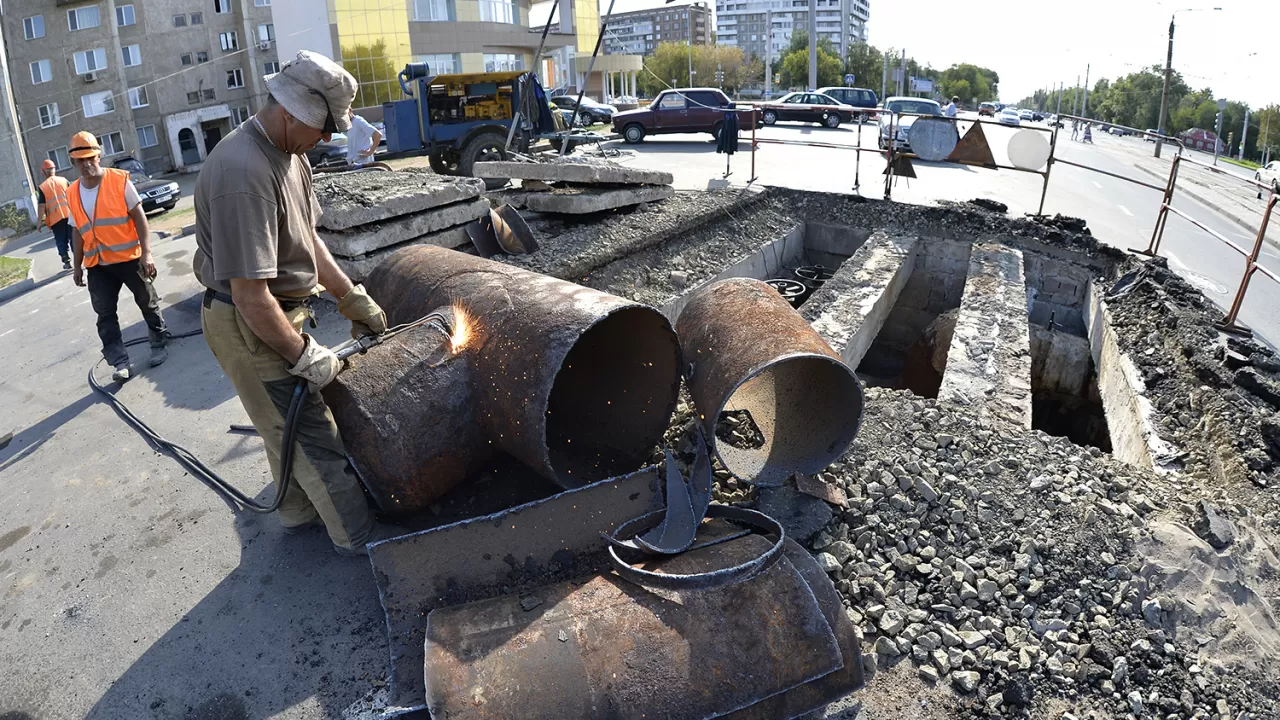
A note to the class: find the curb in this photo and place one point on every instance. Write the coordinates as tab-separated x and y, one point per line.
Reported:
1252	228
21	287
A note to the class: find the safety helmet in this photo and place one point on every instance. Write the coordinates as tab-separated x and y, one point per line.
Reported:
85	145
48	165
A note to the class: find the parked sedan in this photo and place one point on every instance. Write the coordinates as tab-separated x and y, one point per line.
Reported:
155	194
806	107
1009	117
590	113
893	107
691	110
1270	173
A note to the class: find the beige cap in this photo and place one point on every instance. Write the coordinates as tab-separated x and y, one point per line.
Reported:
296	86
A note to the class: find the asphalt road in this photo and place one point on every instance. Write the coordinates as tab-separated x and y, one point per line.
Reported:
1119	213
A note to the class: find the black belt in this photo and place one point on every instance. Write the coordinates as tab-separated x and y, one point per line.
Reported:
285	304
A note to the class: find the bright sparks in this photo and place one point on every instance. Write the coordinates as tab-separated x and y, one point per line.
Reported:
462	324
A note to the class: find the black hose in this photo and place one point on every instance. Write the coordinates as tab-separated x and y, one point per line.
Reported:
195	465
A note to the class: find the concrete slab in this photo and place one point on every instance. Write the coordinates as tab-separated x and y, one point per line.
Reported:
364	239
851	308
585	200
989	361
594	173
360	198
358	268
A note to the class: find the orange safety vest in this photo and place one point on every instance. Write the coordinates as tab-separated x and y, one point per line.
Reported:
111	238
56	206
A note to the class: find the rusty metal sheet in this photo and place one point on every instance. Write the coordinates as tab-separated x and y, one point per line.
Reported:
828	688
749	350
902	167
608	648
512	551
973	149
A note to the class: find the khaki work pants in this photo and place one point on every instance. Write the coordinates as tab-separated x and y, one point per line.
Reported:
324	482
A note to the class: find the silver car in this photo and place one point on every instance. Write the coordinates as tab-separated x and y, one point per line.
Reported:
893	107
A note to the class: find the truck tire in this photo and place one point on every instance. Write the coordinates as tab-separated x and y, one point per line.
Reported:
444	163
633	133
485	147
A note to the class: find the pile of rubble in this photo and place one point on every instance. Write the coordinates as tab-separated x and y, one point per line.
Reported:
368	215
578	186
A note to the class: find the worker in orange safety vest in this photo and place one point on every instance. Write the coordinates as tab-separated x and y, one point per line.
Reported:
53	208
110	237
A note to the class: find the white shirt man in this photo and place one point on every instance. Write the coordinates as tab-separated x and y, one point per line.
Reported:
950	109
362	140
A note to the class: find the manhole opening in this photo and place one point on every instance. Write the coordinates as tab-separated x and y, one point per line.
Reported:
799	269
910	351
1065	400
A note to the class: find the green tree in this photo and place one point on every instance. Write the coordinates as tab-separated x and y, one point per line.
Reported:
669	66
866	63
969	82
794	67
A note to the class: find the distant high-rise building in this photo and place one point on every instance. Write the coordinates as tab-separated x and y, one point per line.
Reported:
639	32
742	23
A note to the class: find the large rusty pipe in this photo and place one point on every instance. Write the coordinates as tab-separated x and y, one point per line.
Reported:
577	384
749	350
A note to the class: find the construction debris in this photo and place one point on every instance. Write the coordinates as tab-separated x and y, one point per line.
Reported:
576	186
579	172
575	200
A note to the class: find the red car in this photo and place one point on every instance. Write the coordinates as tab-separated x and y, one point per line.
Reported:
806	107
688	110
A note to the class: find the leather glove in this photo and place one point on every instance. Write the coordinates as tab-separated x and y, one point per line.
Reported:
365	315
318	365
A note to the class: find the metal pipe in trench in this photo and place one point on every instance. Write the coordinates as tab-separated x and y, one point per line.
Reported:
577	384
749	350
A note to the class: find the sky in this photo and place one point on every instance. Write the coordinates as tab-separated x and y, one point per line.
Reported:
1036	44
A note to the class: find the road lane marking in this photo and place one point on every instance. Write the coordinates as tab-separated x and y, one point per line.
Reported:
1097	184
82	303
6	332
1203	283
1125	210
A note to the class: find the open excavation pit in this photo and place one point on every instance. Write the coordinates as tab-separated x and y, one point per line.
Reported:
996	536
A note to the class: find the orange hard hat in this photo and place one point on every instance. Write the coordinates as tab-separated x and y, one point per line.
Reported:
85	145
48	165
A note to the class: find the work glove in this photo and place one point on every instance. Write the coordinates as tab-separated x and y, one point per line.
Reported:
365	315
318	365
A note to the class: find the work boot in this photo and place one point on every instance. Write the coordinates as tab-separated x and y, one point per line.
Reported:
379	533
66	264
159	355
314	522
123	373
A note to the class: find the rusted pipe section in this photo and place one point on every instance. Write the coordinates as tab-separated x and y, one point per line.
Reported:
751	351
577	384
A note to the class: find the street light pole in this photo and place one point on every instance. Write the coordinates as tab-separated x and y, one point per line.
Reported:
1168	71
1084	112
813	45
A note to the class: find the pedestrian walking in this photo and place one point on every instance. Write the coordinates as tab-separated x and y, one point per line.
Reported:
53	209
258	255
1088	133
950	109
363	140
1075	129
110	238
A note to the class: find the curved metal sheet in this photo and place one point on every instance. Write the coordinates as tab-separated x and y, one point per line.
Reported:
1028	150
933	139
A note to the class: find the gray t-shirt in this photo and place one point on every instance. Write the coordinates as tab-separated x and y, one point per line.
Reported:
255	216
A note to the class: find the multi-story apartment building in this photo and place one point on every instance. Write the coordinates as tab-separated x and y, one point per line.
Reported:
745	23
639	32
162	81
374	39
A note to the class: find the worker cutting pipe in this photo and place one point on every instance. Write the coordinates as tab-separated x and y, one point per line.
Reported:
262	263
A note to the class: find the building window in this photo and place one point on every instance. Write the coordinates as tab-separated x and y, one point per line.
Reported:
33	27
270	68
179	20
147	136
49	115
202	57
222	6
266	33
59	157
431	11
124	15
209	94
186	58
132	55
262	3
83	18
500	62
230	41
112	144
99	103
193	98
138	97
499	11
91	61
240	114
41	72
197	18
442	63
235	79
